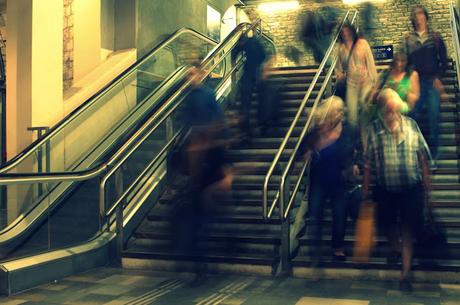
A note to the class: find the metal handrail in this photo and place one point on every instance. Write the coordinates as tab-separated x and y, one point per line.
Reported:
133	142
91	173
156	159
208	65
23	178
142	174
283	208
455	38
92	100
267	213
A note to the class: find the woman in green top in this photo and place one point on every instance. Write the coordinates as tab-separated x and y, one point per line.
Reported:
401	79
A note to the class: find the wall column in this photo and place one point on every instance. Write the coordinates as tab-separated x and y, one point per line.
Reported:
34	68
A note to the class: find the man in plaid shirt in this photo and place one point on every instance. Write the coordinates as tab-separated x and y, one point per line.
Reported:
398	155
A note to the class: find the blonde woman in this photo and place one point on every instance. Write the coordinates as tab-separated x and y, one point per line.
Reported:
333	144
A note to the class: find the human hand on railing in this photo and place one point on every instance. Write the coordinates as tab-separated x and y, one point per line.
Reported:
340	75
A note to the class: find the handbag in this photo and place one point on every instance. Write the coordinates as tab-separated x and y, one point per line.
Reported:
364	234
341	88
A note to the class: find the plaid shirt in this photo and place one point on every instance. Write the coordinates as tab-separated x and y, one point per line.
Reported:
395	161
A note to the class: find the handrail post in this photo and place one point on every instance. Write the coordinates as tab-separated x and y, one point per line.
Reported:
285	255
41	130
119	214
119	233
300	111
102	209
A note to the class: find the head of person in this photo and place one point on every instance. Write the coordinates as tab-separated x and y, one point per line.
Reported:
348	33
392	104
399	63
419	17
195	76
329	113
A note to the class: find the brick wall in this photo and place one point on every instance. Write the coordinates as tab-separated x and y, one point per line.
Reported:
392	21
68	44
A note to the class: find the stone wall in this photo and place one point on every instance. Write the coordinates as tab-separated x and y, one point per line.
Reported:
68	44
391	22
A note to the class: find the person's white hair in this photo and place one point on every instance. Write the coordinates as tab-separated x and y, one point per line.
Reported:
330	106
389	94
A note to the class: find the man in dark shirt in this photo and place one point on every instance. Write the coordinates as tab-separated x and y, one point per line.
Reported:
256	55
426	52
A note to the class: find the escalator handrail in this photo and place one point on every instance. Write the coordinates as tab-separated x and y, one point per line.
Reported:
115	161
123	197
94	98
454	21
267	212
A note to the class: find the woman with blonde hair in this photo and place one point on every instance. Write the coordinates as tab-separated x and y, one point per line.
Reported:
333	145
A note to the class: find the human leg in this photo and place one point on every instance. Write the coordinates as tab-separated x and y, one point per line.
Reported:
352	103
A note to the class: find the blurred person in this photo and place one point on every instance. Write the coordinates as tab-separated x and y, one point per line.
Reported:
368	18
316	30
399	77
426	53
332	145
256	55
209	172
398	154
356	68
269	98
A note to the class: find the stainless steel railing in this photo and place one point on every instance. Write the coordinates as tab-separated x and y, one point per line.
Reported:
109	168
79	111
284	195
268	209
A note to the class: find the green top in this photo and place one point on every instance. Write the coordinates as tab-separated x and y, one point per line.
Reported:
402	87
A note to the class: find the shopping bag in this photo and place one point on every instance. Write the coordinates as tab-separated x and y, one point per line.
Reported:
364	233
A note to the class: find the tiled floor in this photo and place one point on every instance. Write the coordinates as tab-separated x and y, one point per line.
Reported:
114	286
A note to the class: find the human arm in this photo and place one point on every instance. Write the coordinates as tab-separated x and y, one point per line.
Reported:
339	68
414	91
425	170
442	55
369	57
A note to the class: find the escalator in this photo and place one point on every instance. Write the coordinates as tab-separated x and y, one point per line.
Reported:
84	140
108	157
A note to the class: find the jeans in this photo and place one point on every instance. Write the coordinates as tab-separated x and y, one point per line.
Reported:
429	99
317	200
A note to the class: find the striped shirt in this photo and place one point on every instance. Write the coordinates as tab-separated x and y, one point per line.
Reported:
395	160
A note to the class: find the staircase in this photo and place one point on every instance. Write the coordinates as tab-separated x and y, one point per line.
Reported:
236	236
237	239
445	198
